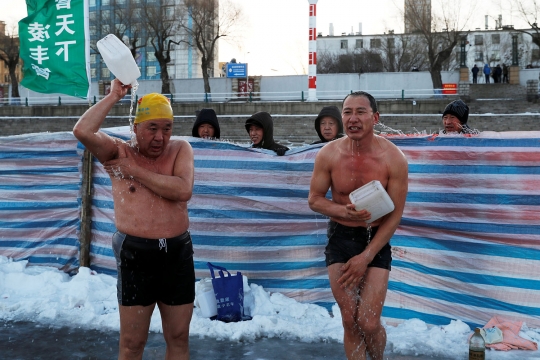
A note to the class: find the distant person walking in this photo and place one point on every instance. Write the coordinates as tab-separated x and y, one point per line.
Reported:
475	71
505	73
498	73
487	72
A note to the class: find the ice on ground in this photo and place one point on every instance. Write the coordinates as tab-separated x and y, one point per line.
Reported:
88	299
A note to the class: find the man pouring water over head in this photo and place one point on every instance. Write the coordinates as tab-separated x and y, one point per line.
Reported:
152	180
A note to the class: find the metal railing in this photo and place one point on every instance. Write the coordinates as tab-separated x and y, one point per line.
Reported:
396	94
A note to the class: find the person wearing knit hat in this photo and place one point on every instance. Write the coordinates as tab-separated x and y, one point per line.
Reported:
328	124
206	125
152	181
455	117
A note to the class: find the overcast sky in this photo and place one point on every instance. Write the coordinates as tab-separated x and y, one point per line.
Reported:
274	36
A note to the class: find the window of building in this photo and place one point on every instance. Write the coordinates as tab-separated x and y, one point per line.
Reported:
478	55
150	71
150	56
92	58
92	29
93	73
478	39
105	29
496	39
375	43
92	3
359	43
535	55
390	42
105	73
105	2
344	44
168	12
495	55
105	15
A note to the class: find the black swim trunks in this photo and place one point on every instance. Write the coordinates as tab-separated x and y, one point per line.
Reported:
345	242
151	270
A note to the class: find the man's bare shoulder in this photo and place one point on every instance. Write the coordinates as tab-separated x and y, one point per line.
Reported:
179	144
330	148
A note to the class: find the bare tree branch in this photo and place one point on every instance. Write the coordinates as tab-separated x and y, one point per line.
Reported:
9	54
202	26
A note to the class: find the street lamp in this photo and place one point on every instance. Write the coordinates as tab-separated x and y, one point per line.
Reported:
463	44
515	61
247	73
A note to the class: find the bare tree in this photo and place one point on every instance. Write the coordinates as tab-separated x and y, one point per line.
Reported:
440	33
128	24
161	18
9	54
529	10
402	52
365	60
201	26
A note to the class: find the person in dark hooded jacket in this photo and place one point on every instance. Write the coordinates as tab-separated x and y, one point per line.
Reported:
260	128
206	125
328	124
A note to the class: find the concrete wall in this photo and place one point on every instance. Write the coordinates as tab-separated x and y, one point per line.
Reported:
293	121
528	74
282	88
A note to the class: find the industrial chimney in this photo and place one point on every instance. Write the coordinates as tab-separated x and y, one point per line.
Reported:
331	30
487	17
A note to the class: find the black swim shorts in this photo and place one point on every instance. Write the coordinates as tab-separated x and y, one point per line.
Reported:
345	242
151	270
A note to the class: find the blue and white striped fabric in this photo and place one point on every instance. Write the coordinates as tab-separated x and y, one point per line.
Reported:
39	190
468	246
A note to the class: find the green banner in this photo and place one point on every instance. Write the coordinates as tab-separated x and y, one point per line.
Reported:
55	47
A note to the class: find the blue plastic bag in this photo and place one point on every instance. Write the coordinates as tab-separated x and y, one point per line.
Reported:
229	291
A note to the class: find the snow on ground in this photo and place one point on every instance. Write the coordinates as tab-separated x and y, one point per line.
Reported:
88	299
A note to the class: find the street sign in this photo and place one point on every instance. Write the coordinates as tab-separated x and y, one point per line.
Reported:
236	70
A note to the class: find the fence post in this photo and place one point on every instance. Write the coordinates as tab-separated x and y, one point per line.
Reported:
250	96
205	97
59	101
85	235
402	94
26	101
95	100
302	95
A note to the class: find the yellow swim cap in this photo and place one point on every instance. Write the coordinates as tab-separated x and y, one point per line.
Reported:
153	106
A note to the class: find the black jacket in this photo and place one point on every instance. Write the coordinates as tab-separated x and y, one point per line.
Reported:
207	116
333	112
264	120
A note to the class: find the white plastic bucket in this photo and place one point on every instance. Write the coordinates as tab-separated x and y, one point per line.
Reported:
208	304
206	299
372	197
119	59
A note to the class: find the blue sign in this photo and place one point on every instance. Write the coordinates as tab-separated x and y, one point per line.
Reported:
236	70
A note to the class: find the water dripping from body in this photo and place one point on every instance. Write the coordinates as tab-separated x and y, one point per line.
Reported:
133	97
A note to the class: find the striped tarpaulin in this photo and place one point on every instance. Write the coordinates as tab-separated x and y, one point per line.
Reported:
467	247
39	190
